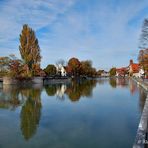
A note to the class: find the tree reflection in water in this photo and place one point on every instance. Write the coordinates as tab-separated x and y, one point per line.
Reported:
84	88
29	97
10	97
31	112
51	90
56	89
74	90
112	82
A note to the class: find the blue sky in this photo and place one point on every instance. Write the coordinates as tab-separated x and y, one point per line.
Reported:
104	31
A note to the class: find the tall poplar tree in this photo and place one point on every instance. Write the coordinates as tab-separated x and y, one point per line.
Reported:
29	47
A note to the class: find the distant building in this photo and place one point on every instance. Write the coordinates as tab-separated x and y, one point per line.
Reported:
61	70
104	73
121	72
135	70
42	73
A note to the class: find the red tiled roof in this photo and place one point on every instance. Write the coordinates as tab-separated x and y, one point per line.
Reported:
121	71
135	67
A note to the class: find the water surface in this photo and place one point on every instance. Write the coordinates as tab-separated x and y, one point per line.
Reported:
101	113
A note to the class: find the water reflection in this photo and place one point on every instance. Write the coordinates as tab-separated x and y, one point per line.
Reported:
30	98
31	112
82	89
10	97
132	86
56	89
75	90
112	82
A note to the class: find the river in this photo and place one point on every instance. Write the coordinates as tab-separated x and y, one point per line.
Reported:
101	113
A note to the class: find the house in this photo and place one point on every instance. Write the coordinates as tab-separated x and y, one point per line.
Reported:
121	72
134	69
61	70
141	73
104	73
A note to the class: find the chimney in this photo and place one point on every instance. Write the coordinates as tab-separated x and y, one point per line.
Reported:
131	62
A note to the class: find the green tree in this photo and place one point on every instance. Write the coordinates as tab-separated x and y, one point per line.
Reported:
50	70
29	47
112	71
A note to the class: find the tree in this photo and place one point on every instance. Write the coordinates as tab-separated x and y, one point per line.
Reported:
50	70
99	72
144	35
74	66
86	67
4	65
60	62
15	67
29	47
112	71
10	65
143	54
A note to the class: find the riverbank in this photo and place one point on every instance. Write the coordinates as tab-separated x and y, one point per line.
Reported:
141	140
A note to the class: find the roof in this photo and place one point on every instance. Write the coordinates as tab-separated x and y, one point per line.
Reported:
135	67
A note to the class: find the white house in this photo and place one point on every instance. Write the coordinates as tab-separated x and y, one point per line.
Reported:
61	70
105	74
141	73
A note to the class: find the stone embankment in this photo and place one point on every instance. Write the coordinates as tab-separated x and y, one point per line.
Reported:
141	140
14	81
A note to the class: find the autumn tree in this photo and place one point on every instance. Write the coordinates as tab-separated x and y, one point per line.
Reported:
86	67
29	48
15	67
10	65
99	72
50	70
74	66
4	65
143	53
